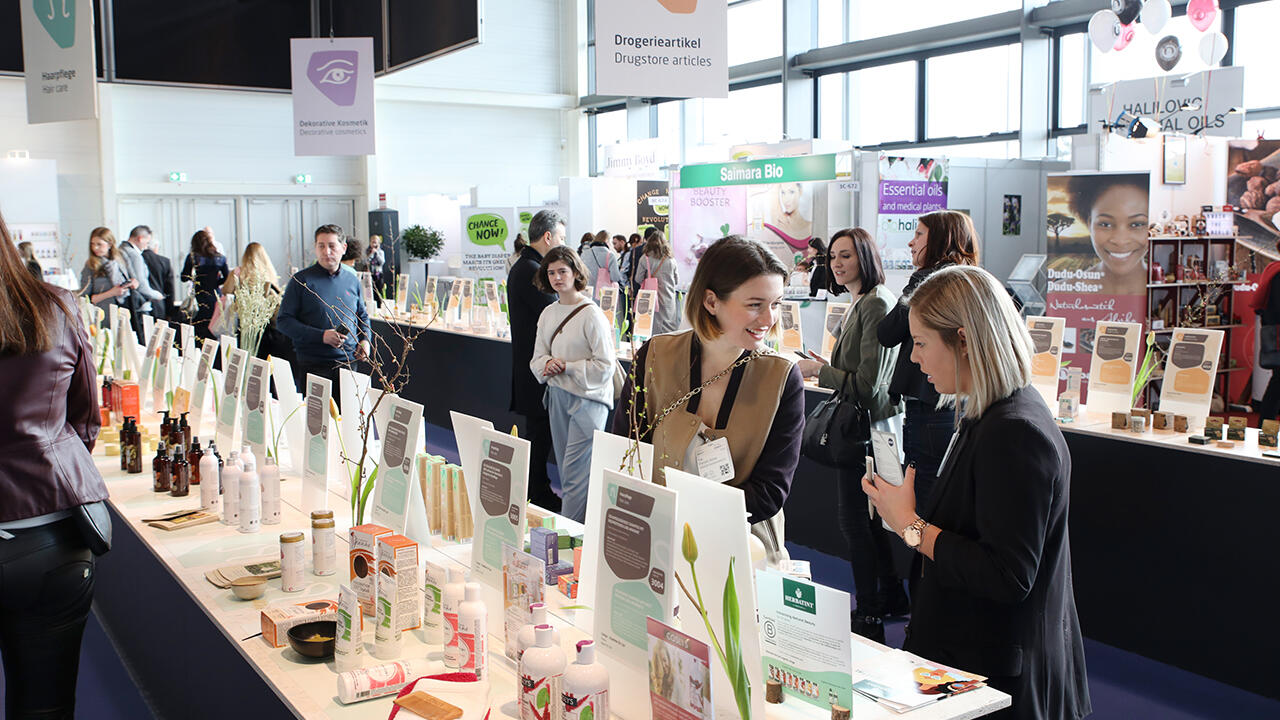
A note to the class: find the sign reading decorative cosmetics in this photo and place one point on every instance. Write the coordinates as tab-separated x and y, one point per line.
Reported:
804	642
333	105
1046	356
499	516
1188	104
60	62
1189	373
667	48
634	578
315	475
805	168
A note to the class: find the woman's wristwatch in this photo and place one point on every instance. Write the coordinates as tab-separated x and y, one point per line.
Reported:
913	534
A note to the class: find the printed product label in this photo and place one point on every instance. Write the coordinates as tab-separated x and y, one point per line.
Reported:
379	681
452	656
536	696
587	707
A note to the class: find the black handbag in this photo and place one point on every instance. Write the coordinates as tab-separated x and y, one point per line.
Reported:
1269	346
94	523
836	433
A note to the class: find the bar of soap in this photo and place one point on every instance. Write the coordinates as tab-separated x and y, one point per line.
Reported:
772	692
1226	444
428	706
839	713
112	449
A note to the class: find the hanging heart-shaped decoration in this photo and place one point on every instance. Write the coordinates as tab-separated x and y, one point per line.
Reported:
1126	10
1168	52
1213	47
1124	36
1155	15
1102	30
1201	13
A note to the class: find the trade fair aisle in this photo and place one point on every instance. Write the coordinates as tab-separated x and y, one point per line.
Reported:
187	629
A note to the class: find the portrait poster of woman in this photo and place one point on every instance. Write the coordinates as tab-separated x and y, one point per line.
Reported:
781	218
1097	226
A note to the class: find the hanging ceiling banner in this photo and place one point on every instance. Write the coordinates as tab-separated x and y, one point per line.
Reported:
1181	104
58	57
662	48
332	96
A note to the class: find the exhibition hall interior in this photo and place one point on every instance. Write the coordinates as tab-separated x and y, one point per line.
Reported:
639	359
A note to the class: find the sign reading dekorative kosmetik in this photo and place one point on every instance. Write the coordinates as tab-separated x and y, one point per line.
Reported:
332	96
666	48
58	54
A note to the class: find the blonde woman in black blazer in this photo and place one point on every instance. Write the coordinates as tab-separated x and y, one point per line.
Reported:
991	587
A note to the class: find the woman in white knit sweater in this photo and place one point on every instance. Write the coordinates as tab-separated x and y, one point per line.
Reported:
574	355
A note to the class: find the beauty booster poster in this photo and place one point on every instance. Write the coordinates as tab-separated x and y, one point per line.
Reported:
1097	267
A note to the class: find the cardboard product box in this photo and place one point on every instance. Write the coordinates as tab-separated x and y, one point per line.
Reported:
428	467
544	545
398	580
1162	420
569	586
1269	433
125	400
1235	428
559	570
577	561
1119	421
466	521
277	620
363	551
449	516
1213	428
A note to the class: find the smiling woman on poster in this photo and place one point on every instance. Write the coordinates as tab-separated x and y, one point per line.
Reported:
1114	209
787	218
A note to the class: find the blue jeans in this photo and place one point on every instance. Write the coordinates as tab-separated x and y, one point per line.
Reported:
574	421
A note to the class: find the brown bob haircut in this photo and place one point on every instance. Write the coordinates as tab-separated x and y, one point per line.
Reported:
567	256
869	265
952	239
724	267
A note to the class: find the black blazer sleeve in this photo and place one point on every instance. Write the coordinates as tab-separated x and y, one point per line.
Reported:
769	484
1014	496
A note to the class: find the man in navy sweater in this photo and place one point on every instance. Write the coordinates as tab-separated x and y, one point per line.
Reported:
323	313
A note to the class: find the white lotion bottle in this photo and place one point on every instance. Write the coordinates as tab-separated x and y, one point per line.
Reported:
585	685
348	649
269	475
454	594
526	637
541	670
250	497
473	633
231	490
210	500
380	680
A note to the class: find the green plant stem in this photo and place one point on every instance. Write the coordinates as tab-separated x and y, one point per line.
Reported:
724	660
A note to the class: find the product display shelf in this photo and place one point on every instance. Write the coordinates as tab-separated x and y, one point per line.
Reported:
1247	450
307	688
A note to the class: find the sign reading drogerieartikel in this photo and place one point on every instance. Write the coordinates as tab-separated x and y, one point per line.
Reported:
332	96
663	48
58	54
804	168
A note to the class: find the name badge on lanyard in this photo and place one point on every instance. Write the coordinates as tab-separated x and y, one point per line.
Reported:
715	461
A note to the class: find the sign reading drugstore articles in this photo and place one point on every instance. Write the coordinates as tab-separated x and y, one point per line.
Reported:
58	54
332	96
664	48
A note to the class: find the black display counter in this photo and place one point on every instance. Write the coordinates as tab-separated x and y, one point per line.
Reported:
1167	560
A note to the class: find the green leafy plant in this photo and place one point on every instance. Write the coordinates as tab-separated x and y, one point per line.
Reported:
1150	363
730	653
421	242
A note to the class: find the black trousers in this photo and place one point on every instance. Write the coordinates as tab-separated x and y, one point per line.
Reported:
1271	398
327	369
538	432
46	588
870	556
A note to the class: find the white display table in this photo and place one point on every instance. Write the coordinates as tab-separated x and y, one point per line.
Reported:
307	688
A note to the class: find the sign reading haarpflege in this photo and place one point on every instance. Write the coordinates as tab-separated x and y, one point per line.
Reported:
332	96
668	48
58	54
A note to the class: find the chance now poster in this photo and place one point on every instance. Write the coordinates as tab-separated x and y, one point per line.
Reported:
332	96
667	48
58	54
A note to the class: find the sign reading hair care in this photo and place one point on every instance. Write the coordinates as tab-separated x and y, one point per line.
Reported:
396	495
1190	104
1113	367
503	487
332	96
1189	373
315	470
488	239
666	48
257	394
804	644
232	386
908	188
633	579
58	54
1046	356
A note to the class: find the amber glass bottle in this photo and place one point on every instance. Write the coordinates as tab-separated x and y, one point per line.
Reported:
161	470
193	459
181	485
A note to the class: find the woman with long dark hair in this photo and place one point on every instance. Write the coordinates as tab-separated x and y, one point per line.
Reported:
207	268
51	421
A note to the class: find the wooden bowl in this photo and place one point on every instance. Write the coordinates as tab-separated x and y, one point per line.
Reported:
249	588
314	639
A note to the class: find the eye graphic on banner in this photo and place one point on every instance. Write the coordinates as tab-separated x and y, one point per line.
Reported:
59	19
333	72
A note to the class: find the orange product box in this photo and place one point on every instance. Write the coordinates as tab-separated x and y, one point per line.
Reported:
125	400
397	584
568	586
277	620
577	561
363	548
